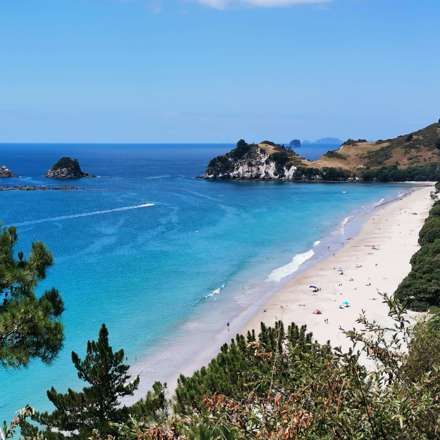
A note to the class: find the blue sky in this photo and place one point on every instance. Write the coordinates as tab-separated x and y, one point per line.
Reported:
216	70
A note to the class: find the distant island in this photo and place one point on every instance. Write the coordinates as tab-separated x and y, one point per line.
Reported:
325	141
295	143
5	172
411	157
67	168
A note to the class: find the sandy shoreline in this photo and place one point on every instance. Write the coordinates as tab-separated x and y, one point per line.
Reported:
374	260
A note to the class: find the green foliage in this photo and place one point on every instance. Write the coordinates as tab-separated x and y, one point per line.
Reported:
334	155
378	157
420	290
29	326
246	366
153	406
220	165
68	162
281	159
354	141
240	150
98	406
424	348
420	173
283	385
326	174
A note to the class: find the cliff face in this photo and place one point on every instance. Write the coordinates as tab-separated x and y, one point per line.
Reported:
5	172
414	156
255	161
66	168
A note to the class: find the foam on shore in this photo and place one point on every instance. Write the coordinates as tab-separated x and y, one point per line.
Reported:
289	269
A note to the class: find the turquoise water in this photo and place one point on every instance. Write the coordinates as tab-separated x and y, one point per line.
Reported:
144	247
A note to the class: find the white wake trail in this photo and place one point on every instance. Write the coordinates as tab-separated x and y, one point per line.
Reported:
85	214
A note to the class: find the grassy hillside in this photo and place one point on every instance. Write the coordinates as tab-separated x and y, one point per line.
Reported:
420	148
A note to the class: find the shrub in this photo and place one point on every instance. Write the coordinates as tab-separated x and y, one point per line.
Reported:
335	155
420	290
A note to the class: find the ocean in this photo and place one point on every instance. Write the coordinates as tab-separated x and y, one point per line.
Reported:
164	259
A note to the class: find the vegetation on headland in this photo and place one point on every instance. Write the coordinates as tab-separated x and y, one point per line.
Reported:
411	157
420	290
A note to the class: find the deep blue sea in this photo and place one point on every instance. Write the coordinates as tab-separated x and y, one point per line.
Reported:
158	255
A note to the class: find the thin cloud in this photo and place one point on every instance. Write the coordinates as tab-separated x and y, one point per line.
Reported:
223	4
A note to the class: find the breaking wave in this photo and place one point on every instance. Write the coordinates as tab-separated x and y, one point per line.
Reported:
288	269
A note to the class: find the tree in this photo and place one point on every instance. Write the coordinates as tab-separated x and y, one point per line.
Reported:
241	143
97	408
29	326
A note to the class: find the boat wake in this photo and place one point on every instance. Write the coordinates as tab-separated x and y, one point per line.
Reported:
85	214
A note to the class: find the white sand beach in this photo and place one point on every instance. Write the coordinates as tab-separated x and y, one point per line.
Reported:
373	261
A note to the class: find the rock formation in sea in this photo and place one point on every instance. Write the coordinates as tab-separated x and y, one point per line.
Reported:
67	168
5	172
295	143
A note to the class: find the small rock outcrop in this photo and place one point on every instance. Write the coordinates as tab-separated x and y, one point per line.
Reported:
5	172
67	168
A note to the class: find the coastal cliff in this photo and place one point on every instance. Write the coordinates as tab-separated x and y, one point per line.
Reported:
414	156
268	161
67	168
5	172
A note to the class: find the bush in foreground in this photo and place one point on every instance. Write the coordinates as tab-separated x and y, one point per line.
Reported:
420	290
282	384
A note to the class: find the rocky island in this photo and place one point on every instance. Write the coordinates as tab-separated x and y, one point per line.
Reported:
5	172
295	143
67	168
411	157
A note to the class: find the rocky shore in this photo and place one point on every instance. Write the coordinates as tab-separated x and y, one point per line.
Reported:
37	188
5	172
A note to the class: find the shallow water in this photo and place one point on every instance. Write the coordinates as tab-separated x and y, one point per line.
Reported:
155	253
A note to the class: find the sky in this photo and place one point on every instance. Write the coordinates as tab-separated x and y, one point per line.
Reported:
216	70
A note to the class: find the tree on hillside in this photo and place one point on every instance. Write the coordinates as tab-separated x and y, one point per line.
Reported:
241	143
97	408
29	325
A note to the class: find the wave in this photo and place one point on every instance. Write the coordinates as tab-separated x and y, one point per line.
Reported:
214	292
380	202
288	269
344	223
316	243
84	214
